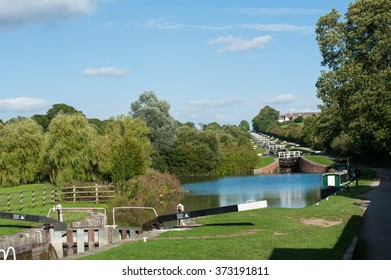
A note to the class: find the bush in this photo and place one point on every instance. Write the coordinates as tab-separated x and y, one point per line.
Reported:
150	189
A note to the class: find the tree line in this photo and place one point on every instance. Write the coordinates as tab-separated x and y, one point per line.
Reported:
354	87
64	146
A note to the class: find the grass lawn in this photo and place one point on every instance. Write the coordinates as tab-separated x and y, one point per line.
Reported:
8	227
319	159
264	161
313	232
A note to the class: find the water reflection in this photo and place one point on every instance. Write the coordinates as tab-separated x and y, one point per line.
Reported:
280	190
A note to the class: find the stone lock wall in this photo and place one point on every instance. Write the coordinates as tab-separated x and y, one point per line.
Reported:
32	244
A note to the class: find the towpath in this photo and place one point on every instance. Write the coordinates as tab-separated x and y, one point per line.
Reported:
376	226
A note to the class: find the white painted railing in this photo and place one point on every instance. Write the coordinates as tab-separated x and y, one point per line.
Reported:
6	253
292	154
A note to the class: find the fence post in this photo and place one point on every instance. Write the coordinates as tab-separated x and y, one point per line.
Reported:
8	201
74	193
21	201
44	197
53	195
96	193
32	198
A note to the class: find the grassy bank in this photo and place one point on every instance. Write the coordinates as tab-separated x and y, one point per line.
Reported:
319	159
313	232
264	161
8	227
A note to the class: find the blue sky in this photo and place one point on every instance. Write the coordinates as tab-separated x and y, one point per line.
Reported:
213	61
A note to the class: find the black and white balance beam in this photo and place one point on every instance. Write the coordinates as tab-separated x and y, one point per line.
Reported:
209	211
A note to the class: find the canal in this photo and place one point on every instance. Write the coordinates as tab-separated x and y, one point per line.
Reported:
280	190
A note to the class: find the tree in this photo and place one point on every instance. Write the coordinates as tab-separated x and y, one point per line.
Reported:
236	154
266	120
124	149
244	125
195	152
44	120
161	125
355	86
21	143
71	152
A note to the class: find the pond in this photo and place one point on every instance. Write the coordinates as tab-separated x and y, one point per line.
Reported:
280	190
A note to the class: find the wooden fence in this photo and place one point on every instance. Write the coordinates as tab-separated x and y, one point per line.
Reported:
38	197
86	193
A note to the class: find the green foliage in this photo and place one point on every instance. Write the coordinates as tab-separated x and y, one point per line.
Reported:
21	142
124	149
216	150
45	120
195	152
244	125
355	87
70	151
236	152
162	126
266	120
151	188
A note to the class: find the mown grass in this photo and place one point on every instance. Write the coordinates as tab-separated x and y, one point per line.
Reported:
271	233
264	161
8	227
319	159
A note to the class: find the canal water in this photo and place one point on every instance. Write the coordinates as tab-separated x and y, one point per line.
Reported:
280	190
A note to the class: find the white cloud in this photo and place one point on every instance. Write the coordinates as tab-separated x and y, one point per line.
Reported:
15	13
23	104
105	71
236	44
277	27
282	99
223	102
161	23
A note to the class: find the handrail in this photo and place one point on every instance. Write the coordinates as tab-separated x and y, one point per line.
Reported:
60	209
6	253
131	207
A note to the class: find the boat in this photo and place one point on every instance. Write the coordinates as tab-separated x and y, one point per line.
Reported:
338	177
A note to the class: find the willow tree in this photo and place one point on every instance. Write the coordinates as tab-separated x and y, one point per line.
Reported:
124	149
71	152
355	86
20	151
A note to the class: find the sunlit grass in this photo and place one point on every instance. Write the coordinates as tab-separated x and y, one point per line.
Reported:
271	233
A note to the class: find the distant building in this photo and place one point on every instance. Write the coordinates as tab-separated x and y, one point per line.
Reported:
293	116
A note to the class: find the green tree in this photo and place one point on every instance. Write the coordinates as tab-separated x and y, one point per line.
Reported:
266	120
71	152
124	149
212	126
244	125
44	120
21	143
195	152
236	154
162	126
355	86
